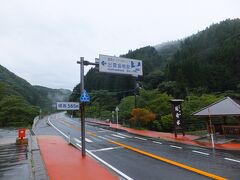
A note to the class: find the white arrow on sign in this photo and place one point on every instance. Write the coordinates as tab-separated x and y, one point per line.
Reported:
178	122
177	115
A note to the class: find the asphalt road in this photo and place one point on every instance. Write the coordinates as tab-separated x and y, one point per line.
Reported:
145	158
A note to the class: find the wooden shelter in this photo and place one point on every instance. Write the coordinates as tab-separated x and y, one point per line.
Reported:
226	107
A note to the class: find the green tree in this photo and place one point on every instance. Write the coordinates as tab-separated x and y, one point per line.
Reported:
125	107
15	111
194	103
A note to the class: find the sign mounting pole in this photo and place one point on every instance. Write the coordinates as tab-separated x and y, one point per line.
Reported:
84	98
82	108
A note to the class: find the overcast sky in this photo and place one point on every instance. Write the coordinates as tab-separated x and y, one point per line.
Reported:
41	40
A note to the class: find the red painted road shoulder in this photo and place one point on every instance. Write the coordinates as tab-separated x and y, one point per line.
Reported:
187	139
64	162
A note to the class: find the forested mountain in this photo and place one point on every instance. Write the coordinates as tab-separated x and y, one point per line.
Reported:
20	102
18	86
208	61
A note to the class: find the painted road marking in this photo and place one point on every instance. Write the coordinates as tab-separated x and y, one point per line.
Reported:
140	138
102	137
156	142
199	152
105	149
90	133
109	166
124	135
77	140
102	131
86	139
213	176
96	157
178	147
118	136
234	160
58	129
79	145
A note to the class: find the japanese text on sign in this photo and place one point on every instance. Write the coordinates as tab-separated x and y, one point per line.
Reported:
119	65
67	106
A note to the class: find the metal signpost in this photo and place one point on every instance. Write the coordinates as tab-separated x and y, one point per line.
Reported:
112	118
83	99
82	106
117	109
177	115
107	64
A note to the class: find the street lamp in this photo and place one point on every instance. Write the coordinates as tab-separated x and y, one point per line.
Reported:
137	87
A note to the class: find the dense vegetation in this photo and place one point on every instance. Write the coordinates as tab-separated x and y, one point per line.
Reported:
20	102
200	69
208	61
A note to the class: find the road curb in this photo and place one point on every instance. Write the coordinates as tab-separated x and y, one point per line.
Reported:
162	138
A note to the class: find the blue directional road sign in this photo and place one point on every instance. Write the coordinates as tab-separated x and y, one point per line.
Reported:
84	97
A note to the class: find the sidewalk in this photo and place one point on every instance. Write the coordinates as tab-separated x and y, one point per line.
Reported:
187	139
64	162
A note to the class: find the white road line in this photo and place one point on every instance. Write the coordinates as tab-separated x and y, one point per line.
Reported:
124	135
178	147
234	160
110	166
78	145
199	152
118	136
99	159
104	129
140	138
86	139
77	140
105	149
157	142
103	137
58	129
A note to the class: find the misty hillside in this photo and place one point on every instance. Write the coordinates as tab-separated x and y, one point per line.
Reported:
34	95
53	95
208	61
168	49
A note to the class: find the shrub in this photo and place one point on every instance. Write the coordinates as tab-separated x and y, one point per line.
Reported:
141	117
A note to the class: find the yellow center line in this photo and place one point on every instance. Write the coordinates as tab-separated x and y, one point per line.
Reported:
71	125
213	176
198	171
90	133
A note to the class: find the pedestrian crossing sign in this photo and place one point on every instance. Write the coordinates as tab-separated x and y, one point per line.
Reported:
84	97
